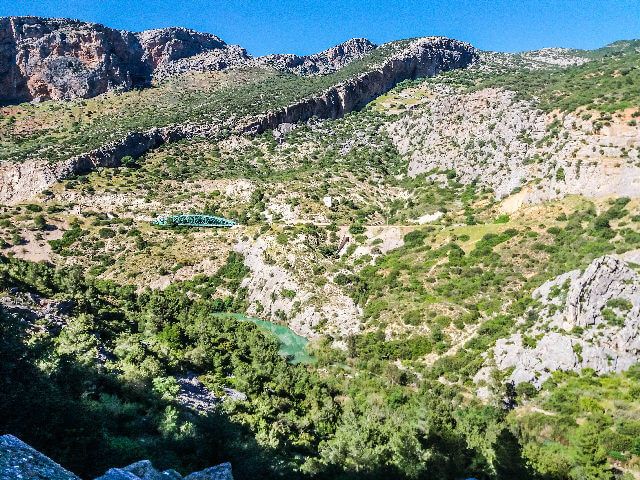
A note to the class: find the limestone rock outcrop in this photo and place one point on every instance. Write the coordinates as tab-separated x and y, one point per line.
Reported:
585	319
165	45
44	58
62	59
313	310
526	156
19	181
30	307
209	61
424	57
172	51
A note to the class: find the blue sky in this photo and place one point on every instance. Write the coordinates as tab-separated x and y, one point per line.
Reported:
306	26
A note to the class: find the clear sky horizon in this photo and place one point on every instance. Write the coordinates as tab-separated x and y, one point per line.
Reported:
306	26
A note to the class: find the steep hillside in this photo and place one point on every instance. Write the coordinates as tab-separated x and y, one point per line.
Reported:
201	105
45	59
454	232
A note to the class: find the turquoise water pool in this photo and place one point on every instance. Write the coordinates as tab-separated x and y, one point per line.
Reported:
291	344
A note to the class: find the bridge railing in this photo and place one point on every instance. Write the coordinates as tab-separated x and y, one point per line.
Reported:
193	220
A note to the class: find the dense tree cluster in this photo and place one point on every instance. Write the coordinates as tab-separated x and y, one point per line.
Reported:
102	390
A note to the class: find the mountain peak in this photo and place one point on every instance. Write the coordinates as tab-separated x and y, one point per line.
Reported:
327	61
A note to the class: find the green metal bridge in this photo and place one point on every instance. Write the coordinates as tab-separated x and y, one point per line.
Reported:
193	220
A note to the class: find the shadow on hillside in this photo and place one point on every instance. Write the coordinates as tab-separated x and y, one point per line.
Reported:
88	422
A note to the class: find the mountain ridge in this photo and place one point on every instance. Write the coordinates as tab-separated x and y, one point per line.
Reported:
418	58
58	58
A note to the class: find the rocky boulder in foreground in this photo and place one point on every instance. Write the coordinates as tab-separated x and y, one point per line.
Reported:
144	470
20	461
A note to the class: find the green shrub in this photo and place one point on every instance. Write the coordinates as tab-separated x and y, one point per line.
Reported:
39	222
32	207
106	233
416	237
357	229
412	317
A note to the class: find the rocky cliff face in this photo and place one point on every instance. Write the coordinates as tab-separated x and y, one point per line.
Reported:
588	319
208	61
172	51
167	45
19	461
61	59
22	180
422	57
42	59
215	59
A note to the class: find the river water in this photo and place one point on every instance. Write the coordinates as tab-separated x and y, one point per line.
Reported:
291	344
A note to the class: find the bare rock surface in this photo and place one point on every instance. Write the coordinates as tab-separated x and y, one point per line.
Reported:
195	395
19	461
165	45
423	57
43	59
311	309
144	470
585	319
526	156
208	61
61	59
173	51
53	314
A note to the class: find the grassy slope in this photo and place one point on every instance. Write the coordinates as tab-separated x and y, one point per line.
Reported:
607	83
